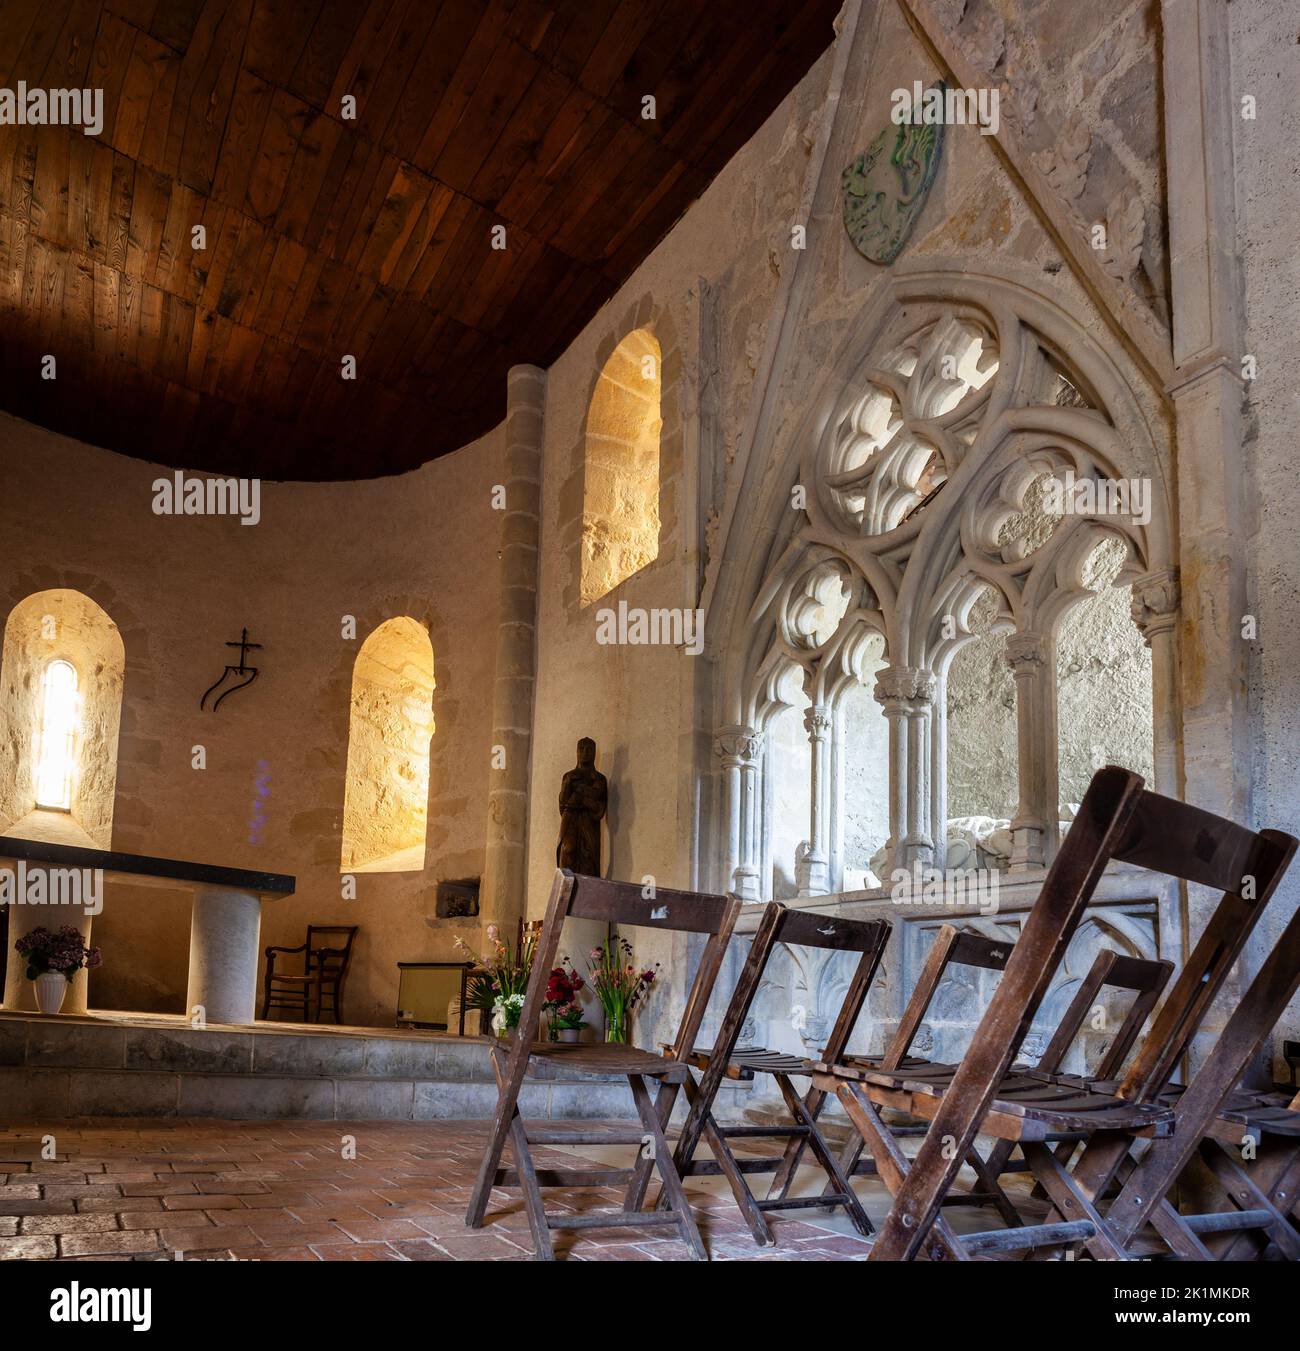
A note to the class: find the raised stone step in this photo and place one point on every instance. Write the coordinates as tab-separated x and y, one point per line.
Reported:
112	1065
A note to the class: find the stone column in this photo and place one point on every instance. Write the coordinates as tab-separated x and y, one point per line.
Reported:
814	868
20	993
225	926
737	748
1155	611
918	844
503	896
906	694
939	771
1031	657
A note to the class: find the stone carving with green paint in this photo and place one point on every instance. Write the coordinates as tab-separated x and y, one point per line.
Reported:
885	188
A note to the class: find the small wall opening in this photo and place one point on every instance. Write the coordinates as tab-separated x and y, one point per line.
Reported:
61	677
864	782
789	786
1103	682
620	504
983	756
386	801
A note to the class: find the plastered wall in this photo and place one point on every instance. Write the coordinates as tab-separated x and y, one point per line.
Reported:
271	795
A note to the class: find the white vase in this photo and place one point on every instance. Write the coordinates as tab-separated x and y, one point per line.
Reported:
570	1034
51	989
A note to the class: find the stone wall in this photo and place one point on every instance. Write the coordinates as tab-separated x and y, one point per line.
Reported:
272	793
1267	200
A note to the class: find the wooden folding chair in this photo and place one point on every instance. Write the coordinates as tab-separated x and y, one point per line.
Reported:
621	903
1117	820
953	947
728	1060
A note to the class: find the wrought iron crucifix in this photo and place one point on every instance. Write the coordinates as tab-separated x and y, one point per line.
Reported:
243	669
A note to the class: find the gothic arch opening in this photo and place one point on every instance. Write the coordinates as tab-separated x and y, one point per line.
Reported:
61	679
1103	681
386	800
620	504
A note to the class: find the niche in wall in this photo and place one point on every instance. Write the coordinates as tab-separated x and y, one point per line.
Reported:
61	677
620	501
386	800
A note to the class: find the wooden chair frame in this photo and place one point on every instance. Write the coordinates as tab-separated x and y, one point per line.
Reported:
320	978
1117	820
621	903
726	1060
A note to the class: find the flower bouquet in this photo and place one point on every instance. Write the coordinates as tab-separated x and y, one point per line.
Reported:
618	984
562	1004
497	984
52	961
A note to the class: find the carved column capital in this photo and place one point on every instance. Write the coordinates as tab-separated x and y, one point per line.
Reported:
1155	603
1026	652
737	747
817	722
904	683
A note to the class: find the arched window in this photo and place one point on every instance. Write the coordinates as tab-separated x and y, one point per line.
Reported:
56	749
993	514
385	808
620	501
61	680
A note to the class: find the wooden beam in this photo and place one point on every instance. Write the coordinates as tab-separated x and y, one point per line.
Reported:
1139	330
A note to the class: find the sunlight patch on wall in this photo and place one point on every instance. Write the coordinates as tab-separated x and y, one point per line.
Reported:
385	808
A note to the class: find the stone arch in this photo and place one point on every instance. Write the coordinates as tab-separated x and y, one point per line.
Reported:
391	724
61	625
601	485
1031	391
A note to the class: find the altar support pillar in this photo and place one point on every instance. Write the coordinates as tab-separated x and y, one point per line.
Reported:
503	897
225	927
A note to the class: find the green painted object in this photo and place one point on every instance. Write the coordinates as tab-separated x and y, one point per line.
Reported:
884	190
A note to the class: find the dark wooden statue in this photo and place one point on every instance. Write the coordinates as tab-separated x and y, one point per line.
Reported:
584	794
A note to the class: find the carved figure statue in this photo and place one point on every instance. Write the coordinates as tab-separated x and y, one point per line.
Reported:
584	795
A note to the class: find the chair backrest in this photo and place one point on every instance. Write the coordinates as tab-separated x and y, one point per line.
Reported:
951	947
1246	866
801	928
1117	819
1145	977
329	948
868	937
625	903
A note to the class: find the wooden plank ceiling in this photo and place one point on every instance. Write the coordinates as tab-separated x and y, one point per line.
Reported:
328	237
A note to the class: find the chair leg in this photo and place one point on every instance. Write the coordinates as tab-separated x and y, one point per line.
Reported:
643	1169
893	1166
824	1156
726	1160
1071	1201
781	1183
663	1161
533	1204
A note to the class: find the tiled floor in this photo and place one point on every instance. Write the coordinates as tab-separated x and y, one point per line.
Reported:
325	1191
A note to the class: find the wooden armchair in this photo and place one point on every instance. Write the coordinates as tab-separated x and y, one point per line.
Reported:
325	970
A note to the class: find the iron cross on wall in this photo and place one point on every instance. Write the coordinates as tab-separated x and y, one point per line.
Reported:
243	669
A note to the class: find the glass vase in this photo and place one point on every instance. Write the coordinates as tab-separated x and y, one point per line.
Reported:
617	1028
